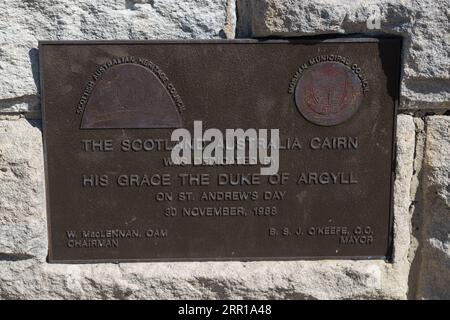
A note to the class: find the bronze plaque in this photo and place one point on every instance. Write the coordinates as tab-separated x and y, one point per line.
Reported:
141	143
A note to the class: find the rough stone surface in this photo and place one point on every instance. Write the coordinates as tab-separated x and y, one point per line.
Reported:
434	271
423	24
23	23
421	257
22	217
23	248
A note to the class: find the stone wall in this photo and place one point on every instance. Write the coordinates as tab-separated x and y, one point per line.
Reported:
421	262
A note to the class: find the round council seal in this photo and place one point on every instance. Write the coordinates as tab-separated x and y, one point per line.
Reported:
328	93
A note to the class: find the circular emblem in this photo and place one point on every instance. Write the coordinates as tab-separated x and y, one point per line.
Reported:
328	93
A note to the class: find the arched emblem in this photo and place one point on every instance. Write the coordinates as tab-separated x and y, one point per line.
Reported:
130	96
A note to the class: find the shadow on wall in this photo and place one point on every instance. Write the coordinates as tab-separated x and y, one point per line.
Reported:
34	60
36	123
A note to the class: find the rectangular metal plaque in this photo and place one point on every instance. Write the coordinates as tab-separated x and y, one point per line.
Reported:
116	115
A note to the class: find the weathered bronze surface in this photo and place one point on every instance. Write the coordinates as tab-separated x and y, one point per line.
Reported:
109	109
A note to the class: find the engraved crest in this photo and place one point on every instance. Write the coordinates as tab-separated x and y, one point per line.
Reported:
328	93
